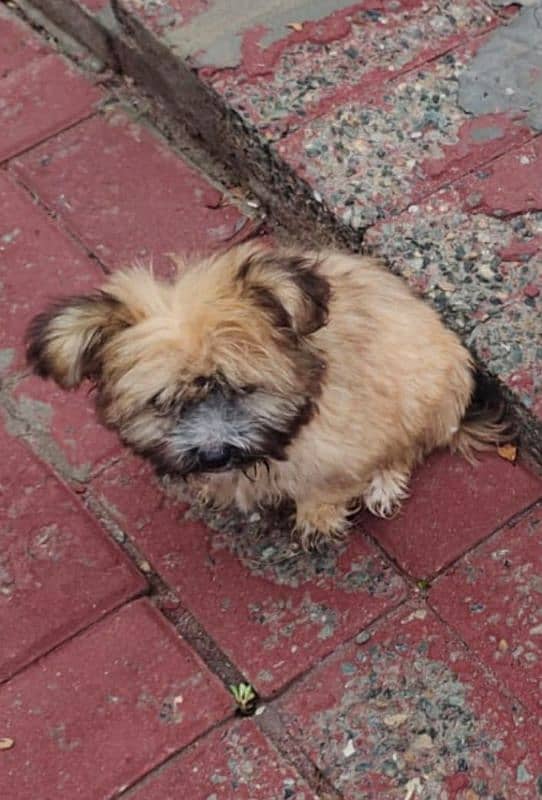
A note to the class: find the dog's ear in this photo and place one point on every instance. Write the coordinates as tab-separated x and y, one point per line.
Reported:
64	341
289	287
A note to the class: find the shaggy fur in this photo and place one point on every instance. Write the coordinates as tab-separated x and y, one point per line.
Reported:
266	374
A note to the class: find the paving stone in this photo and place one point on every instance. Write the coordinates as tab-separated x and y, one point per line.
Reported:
509	186
68	421
475	251
58	570
273	610
492	598
510	344
232	763
125	194
469	265
369	160
40	99
452	506
329	62
410	715
104	709
18	44
37	262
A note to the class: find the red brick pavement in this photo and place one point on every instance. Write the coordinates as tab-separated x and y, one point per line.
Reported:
454	505
234	761
291	610
99	177
370	693
410	708
90	718
59	572
492	598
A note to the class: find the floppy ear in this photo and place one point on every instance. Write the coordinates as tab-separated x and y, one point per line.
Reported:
289	287
64	342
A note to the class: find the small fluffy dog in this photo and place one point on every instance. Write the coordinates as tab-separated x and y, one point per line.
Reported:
271	374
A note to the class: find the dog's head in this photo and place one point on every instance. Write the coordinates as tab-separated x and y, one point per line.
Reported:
215	370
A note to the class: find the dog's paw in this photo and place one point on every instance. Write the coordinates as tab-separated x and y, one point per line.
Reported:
322	524
386	492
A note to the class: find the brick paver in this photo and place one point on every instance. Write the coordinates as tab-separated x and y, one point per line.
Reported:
64	427
407	713
492	598
291	608
98	713
39	99
58	571
19	44
452	506
232	763
38	261
125	194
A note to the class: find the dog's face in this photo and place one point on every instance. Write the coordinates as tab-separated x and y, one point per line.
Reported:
211	372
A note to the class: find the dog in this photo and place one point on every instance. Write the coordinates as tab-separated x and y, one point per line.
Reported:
266	373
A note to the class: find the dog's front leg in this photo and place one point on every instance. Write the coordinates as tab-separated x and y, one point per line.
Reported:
320	521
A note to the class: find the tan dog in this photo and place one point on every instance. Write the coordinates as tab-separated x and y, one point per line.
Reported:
271	374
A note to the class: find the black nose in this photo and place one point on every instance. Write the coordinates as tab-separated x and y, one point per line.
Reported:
215	457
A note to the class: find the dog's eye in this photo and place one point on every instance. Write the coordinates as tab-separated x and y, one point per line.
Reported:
201	381
248	389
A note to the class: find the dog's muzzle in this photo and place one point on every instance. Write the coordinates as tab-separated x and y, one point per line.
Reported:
216	459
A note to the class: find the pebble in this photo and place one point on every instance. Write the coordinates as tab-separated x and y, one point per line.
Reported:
363	637
422	742
349	750
395	720
523	775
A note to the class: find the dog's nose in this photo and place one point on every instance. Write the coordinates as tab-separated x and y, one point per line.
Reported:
216	457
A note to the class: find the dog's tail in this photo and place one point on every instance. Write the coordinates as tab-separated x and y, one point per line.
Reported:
485	424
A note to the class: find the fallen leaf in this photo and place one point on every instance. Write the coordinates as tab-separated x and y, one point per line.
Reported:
296	26
6	743
508	451
447	287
